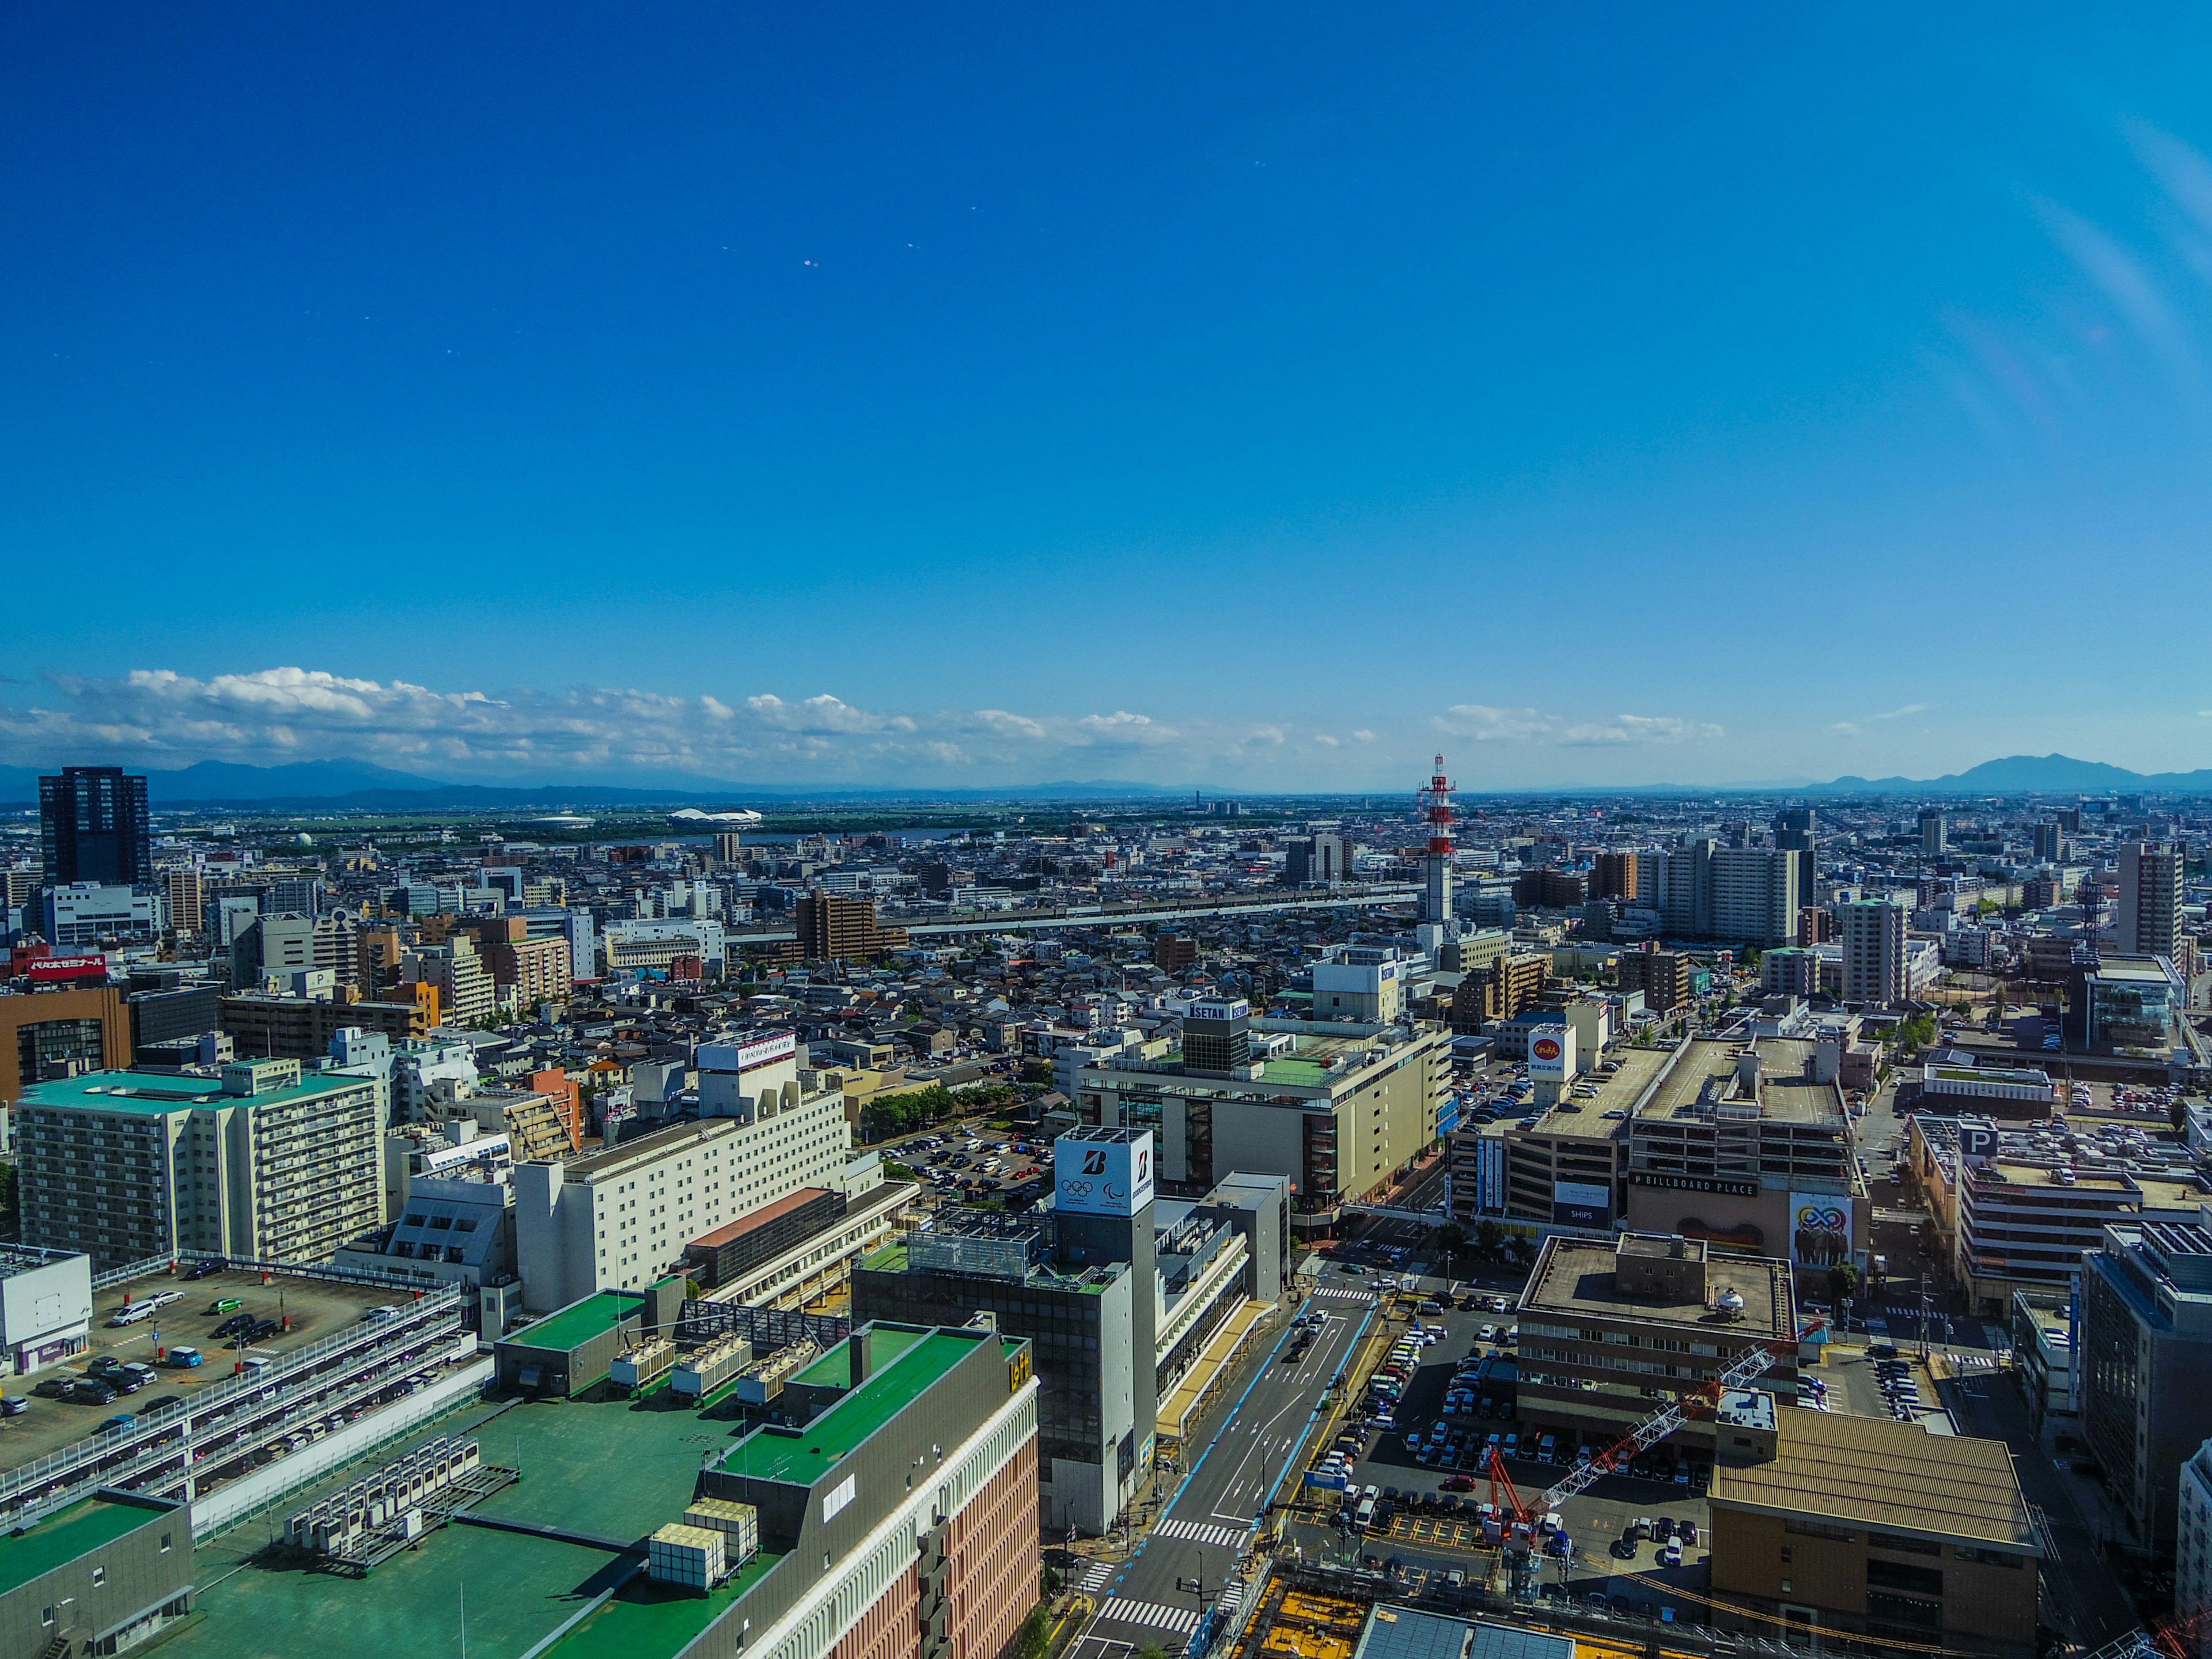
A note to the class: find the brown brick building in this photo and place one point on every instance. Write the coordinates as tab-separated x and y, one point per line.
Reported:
1663	976
832	927
87	1027
1499	991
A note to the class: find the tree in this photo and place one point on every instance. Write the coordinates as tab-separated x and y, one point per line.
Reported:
1034	1637
1451	1239
1489	1238
1843	1281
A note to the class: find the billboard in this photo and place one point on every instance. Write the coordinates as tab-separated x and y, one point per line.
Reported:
1582	1204
1819	1230
1490	1175
1977	1143
48	969
1551	1054
1102	1177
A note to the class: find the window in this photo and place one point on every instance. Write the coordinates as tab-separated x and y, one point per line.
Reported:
1818	1529
1890	1540
1895	1574
165	1543
99	1577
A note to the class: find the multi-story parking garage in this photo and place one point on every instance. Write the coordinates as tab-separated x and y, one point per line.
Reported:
225	1437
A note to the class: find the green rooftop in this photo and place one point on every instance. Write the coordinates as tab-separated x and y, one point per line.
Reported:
646	1619
834	1369
891	1259
160	1093
804	1456
1301	1073
579	1323
60	1538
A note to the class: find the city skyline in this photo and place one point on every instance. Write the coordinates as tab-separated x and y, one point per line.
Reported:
971	402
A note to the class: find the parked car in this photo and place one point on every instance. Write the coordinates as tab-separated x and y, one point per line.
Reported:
14	1405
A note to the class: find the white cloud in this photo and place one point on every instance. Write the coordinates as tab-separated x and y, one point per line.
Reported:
1487	725
1853	728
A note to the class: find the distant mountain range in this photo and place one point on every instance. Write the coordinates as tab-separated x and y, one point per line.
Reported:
2030	775
327	784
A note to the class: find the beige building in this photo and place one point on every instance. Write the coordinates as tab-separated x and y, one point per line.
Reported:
260	1164
465	991
1610	1330
1867	1527
619	1219
1338	1108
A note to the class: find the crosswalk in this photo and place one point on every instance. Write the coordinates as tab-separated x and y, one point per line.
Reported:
1350	1293
1229	1538
1184	1620
1095	1578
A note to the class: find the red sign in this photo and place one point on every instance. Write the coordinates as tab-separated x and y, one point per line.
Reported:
1545	1048
67	968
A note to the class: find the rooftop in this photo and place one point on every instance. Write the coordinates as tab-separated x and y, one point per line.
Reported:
1403	1633
159	1093
1895	1477
802	1456
580	1322
1786	1091
1575	1276
62	1537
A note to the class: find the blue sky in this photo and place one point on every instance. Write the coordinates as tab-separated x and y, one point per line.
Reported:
1265	399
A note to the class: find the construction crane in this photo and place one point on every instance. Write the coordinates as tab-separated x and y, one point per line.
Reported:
1753	1364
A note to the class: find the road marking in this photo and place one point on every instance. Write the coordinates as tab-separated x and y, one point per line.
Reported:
1094	1576
1182	1620
1232	1538
1345	1291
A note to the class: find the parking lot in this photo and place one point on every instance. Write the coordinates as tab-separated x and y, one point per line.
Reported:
1430	1502
967	1166
303	1310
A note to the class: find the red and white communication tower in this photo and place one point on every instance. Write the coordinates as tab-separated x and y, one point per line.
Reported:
1436	863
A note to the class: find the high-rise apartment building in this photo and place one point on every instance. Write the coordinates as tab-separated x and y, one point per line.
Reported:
2049	844
1874	951
1321	858
1755	895
92	827
187	896
1935	833
2148	921
465	991
834	928
264	1165
1794	833
1663	976
1617	875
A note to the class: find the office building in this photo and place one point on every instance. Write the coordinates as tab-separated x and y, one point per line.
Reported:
1874	952
1935	834
832	928
1609	1326
2027	1223
262	1165
169	1015
1321	859
59	1032
1755	895
641	947
94	828
1338	1110
1359	982
2128	1006
270	944
1087	1304
2146	1345
1862	1529
302	1028
618	1219
86	916
2147	920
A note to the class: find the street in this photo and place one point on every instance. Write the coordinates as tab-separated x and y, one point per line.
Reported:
1207	1525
